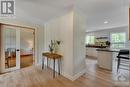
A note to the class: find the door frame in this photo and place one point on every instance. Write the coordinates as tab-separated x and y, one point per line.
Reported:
17	46
35	60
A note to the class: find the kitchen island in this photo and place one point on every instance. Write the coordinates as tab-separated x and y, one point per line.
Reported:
105	57
91	50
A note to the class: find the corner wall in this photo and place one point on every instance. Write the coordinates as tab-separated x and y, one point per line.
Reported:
61	29
69	30
79	44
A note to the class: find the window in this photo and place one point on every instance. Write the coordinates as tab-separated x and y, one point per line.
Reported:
90	40
118	40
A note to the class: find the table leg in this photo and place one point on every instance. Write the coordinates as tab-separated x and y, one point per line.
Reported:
8	63
42	62
47	62
54	69
59	66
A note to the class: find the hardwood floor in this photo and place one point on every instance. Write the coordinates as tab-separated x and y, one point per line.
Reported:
35	77
106	78
25	61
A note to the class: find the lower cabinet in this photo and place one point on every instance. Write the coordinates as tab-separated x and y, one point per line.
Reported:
91	52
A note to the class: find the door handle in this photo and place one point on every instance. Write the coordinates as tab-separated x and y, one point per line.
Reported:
17	50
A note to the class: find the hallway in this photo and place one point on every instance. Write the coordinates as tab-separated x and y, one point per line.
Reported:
36	77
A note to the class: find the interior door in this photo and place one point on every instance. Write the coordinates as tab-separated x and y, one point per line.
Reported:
10	48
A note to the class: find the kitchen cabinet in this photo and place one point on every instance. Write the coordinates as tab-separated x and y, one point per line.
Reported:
105	57
91	52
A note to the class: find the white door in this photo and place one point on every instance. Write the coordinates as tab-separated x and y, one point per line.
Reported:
10	48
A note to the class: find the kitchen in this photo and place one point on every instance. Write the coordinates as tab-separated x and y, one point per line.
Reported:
104	45
102	50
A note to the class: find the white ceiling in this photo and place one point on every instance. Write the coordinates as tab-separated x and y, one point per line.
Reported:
99	11
95	11
41	11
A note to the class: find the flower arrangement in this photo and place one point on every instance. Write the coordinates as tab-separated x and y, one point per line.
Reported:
54	46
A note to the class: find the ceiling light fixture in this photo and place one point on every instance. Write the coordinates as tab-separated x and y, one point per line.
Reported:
105	22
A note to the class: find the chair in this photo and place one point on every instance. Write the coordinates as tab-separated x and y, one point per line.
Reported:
123	54
7	59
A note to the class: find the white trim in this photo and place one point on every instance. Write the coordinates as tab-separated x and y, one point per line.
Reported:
3	69
2	62
79	74
17	47
76	76
70	77
35	47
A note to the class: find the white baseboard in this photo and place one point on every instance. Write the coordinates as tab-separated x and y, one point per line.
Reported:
67	76
79	74
76	76
70	77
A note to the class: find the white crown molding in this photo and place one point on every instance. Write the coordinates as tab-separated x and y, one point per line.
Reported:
98	29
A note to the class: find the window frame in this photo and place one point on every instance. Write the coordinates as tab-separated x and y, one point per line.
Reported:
118	43
90	37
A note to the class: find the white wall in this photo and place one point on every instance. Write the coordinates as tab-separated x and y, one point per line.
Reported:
68	29
79	43
62	29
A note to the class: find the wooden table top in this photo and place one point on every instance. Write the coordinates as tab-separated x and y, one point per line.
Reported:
52	55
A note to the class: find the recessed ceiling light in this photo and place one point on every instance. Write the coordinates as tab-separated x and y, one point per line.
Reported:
105	22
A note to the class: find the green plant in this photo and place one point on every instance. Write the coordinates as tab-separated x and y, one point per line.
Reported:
53	47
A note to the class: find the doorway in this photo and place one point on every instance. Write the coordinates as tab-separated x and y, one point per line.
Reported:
17	47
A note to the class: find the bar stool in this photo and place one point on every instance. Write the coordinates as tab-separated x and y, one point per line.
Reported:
123	54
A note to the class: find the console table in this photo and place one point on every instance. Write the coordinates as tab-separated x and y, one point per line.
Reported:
52	56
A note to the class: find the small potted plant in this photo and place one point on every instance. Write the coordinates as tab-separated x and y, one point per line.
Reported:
54	46
51	48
